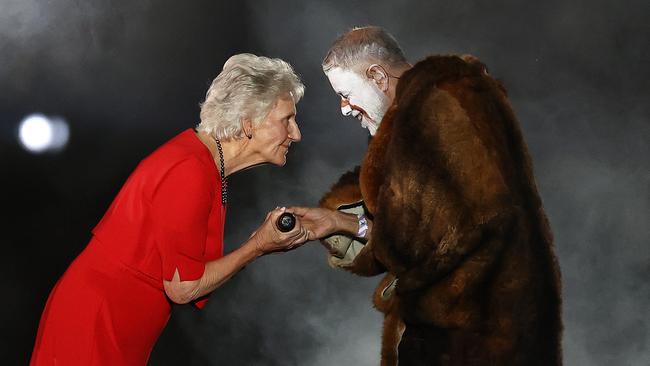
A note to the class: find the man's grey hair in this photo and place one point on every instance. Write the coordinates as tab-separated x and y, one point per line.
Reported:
247	87
363	45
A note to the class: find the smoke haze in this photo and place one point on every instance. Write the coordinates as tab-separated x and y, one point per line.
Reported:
129	75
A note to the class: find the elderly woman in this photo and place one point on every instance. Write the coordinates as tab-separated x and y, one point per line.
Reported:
162	237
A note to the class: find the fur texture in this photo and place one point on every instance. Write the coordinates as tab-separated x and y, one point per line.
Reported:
458	220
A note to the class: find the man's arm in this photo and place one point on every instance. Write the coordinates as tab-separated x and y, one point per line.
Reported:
323	222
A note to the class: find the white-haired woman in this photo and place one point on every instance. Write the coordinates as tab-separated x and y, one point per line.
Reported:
162	237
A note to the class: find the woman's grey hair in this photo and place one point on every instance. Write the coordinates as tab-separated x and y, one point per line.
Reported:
247	87
363	45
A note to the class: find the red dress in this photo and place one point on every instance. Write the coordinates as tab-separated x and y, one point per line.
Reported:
109	307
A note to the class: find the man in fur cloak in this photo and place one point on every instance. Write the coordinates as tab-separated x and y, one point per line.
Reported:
446	205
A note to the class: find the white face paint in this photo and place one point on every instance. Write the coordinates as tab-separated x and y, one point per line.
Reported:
360	98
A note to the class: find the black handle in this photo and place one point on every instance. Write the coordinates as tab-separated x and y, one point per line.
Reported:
286	222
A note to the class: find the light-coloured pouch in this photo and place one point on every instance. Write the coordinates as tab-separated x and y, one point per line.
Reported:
344	248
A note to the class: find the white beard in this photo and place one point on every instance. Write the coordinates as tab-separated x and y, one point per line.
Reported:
377	104
370	125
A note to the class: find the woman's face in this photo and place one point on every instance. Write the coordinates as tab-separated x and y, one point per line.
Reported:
276	133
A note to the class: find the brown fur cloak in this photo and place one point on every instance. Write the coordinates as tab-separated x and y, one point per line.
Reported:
448	183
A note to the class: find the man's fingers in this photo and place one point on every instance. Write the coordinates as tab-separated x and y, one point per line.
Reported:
302	232
297	231
300	211
312	235
304	236
307	234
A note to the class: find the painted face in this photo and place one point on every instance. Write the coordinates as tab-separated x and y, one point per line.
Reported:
278	130
360	98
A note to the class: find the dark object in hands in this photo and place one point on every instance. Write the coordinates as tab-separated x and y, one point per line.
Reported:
286	222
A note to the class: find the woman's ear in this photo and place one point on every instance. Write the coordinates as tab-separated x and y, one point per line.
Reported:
247	127
378	75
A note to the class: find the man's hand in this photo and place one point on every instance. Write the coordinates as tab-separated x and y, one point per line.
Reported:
319	222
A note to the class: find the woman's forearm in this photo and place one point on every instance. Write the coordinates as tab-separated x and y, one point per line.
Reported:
266	239
221	270
216	273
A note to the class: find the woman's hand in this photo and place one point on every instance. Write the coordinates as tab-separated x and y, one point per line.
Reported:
268	238
320	222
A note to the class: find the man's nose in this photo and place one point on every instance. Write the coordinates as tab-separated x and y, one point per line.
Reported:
346	110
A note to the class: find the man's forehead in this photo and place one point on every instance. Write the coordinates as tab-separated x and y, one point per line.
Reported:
342	79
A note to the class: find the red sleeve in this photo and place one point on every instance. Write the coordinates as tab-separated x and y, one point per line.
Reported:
181	206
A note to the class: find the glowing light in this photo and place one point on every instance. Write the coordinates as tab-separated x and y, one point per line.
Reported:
39	133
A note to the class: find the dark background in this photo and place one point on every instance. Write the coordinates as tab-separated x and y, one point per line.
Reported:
128	75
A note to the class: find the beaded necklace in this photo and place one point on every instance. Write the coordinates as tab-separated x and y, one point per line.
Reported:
224	180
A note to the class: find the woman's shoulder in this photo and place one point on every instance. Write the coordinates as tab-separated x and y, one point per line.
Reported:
182	157
184	149
182	173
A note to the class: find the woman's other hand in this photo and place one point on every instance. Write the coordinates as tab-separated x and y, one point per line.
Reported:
268	238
